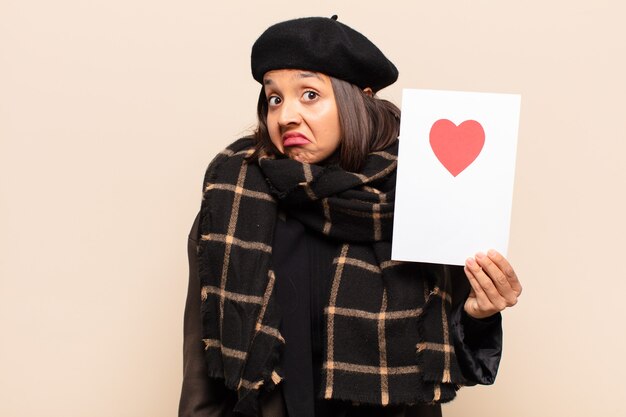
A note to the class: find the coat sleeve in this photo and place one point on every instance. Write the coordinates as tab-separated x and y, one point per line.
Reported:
201	396
477	342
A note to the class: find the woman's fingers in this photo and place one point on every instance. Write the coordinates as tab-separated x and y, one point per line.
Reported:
501	281
486	284
494	283
477	304
507	269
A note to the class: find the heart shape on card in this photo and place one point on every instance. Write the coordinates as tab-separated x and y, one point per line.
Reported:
456	147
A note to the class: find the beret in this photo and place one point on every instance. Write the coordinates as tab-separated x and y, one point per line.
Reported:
323	45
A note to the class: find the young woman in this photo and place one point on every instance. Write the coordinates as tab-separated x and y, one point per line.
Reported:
294	306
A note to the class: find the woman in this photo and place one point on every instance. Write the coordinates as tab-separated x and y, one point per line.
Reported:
302	311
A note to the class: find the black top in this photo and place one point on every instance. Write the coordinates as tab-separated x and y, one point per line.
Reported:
302	263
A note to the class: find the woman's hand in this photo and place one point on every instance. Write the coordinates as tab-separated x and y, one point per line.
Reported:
494	284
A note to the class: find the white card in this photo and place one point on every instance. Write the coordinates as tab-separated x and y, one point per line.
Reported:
456	165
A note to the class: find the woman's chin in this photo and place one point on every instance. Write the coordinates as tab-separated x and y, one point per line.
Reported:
303	157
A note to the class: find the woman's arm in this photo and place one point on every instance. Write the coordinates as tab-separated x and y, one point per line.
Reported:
477	345
489	286
201	396
477	342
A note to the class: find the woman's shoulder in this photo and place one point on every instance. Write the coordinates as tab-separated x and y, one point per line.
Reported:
240	146
239	149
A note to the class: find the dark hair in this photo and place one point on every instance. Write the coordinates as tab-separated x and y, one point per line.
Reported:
367	123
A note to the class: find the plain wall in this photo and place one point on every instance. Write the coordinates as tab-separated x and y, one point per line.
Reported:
111	110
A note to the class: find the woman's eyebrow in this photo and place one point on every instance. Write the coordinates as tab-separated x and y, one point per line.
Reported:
303	74
308	74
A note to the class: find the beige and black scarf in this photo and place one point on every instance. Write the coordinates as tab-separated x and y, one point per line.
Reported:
387	330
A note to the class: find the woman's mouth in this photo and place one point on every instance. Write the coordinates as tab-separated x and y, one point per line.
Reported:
294	139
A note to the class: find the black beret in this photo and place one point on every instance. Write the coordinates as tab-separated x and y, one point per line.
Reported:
323	45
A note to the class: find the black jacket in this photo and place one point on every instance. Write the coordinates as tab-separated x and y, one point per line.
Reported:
478	345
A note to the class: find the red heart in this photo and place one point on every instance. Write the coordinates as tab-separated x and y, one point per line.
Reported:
456	147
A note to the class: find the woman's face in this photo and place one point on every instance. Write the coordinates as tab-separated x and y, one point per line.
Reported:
302	117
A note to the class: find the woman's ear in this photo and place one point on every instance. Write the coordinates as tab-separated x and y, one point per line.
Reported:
368	92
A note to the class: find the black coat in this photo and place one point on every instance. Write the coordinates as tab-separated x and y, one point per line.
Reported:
477	342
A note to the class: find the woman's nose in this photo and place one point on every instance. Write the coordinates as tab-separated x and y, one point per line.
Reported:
289	113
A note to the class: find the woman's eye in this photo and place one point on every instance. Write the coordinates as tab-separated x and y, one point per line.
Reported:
274	100
310	95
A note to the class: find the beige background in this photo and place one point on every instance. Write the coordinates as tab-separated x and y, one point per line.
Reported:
110	111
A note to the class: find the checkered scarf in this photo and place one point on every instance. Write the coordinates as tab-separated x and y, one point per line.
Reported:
387	336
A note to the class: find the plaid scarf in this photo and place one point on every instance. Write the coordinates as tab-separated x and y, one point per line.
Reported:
387	335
